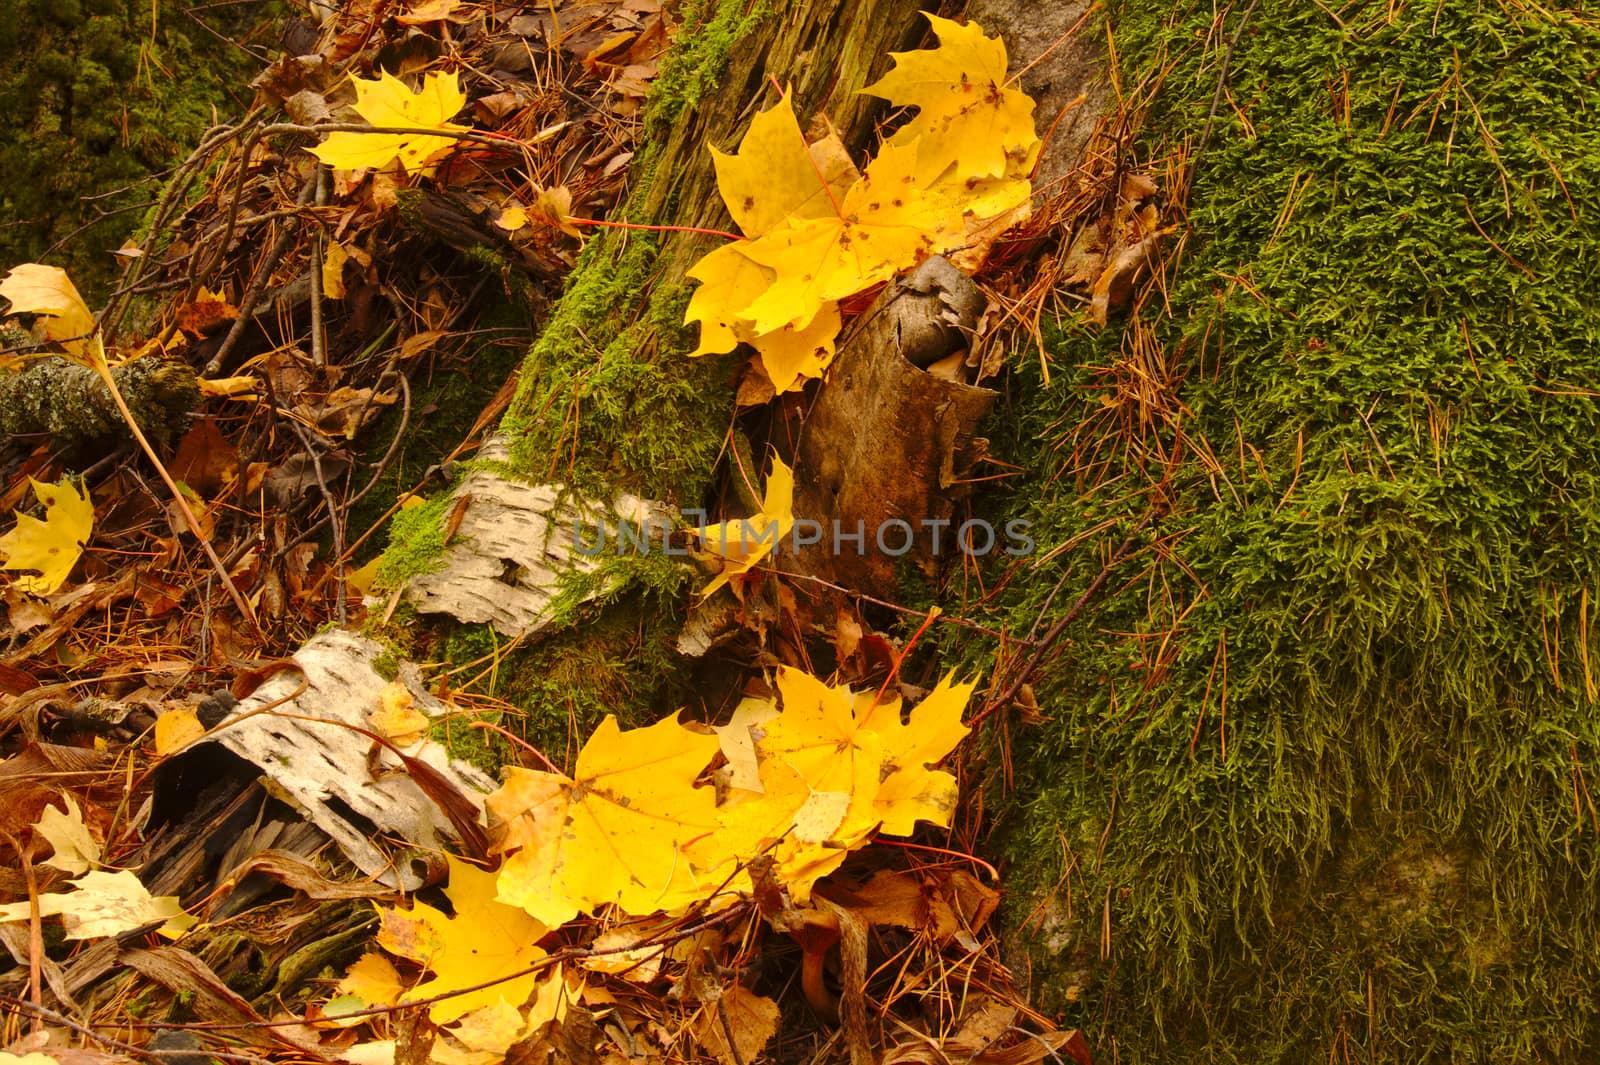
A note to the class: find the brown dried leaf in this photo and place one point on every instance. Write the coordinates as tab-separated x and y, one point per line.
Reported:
751	1018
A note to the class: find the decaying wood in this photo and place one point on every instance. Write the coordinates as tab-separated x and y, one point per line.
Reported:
885	446
318	763
515	543
1057	53
70	402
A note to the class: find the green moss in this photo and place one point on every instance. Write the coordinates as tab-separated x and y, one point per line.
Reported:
609	401
416	542
446	397
618	660
1317	772
97	99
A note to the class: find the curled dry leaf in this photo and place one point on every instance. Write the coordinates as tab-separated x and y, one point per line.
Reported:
47	291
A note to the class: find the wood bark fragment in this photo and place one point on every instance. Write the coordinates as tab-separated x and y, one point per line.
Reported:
884	448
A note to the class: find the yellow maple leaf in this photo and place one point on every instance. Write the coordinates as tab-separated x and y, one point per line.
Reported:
34	288
744	542
613	834
729	281
387	103
835	768
74	849
176	729
373	981
482	1037
909	791
951	180
884	225
51	546
397	718
819	774
485	939
777	177
774	179
966	115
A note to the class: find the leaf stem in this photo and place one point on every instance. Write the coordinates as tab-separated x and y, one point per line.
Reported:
100	366
654	229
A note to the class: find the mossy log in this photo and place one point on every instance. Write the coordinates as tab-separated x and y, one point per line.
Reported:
71	403
609	402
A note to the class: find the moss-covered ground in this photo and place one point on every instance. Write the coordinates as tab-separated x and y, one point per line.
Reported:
1317	778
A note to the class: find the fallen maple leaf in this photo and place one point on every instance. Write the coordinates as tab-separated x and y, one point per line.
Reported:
835	768
910	791
750	1019
777	177
106	904
966	116
372	981
51	546
883	225
397	718
176	729
34	288
742	543
819	775
952	180
615	834
484	941
75	850
387	103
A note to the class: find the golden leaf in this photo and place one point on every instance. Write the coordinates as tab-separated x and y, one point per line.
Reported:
387	103
34	288
374	980
397	718
106	904
333	260
176	729
51	546
835	767
615	833
777	177
485	939
884	225
966	116
909	791
742	543
75	850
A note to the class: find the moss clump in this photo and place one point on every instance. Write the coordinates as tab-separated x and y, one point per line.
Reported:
617	661
608	400
97	99
1318	774
416	542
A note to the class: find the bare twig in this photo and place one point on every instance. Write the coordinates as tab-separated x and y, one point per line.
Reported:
1216	99
1042	648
